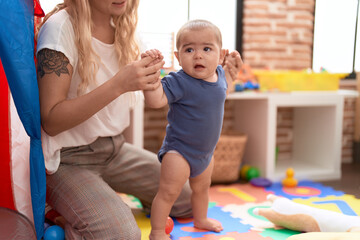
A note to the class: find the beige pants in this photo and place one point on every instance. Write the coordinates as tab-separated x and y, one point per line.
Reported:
83	190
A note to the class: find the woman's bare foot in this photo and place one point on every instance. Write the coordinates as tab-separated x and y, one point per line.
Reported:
158	235
209	224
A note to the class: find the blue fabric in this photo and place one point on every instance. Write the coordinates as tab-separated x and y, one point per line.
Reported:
196	111
17	56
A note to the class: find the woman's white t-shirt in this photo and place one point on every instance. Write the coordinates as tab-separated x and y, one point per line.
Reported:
57	34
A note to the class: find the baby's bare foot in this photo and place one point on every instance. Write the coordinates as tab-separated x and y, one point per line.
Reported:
209	224
158	235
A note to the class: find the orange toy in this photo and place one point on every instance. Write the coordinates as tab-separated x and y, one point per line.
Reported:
246	74
289	181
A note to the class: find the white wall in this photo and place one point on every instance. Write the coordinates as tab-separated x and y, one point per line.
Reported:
167	16
334	31
160	18
221	13
334	35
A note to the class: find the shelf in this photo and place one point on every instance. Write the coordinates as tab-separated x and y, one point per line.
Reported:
317	132
306	170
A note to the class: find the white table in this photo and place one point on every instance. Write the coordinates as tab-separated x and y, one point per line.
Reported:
317	132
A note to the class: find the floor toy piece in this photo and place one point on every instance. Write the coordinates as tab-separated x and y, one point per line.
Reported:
233	205
289	180
261	182
326	236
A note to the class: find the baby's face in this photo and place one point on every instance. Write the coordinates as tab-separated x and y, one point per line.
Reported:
199	54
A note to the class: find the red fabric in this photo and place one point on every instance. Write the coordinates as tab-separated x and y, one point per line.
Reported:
37	9
38	14
6	191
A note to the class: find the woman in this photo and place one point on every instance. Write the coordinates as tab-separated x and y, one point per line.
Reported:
87	77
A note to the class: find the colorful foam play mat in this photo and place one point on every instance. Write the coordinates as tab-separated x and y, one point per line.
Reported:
233	205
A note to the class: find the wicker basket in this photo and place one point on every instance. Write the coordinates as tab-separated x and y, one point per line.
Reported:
227	156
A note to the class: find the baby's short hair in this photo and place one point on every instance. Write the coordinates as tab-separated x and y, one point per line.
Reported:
198	24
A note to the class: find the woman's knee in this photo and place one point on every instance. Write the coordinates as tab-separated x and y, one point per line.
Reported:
107	226
119	222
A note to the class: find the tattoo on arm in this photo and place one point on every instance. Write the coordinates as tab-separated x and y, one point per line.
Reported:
51	61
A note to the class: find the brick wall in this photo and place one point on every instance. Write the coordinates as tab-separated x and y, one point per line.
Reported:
348	122
277	34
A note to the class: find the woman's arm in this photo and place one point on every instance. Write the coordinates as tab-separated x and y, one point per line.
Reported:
54	76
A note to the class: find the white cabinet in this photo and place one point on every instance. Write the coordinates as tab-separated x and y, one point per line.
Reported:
317	132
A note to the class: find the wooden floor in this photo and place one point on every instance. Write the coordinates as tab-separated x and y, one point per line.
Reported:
350	180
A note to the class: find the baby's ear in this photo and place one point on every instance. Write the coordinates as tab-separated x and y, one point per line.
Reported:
223	53
177	57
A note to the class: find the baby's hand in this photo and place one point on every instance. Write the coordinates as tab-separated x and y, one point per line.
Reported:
233	63
154	54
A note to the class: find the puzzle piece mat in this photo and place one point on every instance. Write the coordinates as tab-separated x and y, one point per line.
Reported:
233	204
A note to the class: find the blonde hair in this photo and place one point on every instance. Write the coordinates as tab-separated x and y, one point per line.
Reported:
198	24
125	42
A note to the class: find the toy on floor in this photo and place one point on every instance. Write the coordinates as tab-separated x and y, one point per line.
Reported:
243	171
261	182
169	225
303	218
54	233
289	180
248	172
253	172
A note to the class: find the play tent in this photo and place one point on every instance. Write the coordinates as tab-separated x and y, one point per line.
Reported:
22	169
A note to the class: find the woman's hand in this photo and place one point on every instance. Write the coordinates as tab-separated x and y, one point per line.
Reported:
140	75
